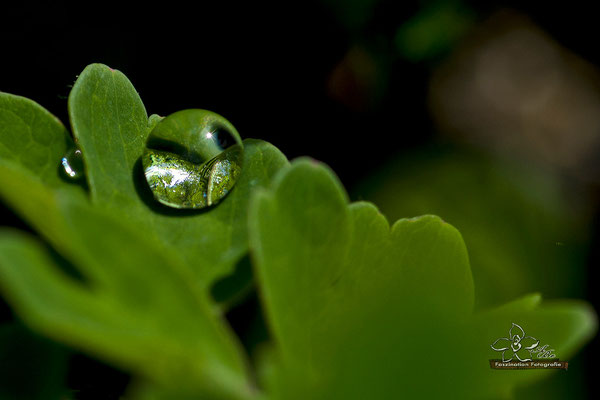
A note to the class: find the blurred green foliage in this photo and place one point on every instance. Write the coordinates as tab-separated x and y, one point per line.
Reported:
356	309
434	30
523	233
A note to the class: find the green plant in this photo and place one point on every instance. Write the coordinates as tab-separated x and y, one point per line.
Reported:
356	309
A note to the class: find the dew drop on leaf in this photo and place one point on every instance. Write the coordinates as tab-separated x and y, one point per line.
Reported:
72	164
192	159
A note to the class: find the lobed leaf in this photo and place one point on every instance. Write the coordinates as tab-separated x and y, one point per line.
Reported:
164	326
161	326
359	310
32	137
111	126
515	221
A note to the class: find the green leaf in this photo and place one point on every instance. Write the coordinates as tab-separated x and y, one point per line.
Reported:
35	201
359	310
564	325
212	242
32	138
162	327
32	143
111	126
515	221
136	308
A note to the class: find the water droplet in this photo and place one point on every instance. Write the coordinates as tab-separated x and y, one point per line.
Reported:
72	164
193	159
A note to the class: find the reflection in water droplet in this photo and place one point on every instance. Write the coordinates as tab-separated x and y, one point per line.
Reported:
72	164
193	158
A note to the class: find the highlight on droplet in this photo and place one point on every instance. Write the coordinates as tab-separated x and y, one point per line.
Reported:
72	164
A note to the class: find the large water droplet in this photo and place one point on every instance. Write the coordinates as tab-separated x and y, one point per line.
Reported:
72	164
193	158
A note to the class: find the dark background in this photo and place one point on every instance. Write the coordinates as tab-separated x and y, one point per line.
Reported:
263	65
269	67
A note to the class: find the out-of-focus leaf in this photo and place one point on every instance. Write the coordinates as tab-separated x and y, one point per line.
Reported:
522	235
137	308
359	310
434	30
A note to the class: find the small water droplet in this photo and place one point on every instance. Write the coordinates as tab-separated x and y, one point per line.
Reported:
72	164
193	159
